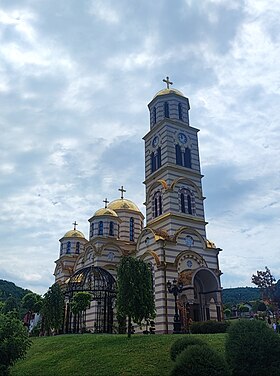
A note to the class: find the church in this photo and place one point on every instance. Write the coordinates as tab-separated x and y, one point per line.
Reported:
173	241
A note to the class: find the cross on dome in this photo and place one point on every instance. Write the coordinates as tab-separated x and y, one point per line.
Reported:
166	80
106	202
75	225
122	190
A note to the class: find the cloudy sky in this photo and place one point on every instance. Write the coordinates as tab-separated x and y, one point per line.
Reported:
75	80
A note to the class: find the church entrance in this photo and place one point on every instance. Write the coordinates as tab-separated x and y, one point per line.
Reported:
98	318
207	296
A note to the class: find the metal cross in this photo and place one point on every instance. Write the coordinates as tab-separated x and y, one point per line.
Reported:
75	225
167	82
122	190
106	202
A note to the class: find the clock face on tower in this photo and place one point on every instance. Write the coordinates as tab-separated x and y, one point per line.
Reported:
182	138
155	141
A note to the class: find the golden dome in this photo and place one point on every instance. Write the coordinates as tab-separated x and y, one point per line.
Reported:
105	211
74	234
169	91
123	203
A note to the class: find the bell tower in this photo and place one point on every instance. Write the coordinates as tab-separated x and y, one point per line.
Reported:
174	241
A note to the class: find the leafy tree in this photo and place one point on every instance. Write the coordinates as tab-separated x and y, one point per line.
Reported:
79	304
135	299
14	342
227	312
53	308
32	303
266	282
11	305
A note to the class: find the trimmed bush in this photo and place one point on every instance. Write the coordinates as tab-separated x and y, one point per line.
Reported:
181	345
253	349
209	327
200	360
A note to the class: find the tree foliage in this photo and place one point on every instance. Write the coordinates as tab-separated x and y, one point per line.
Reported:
135	298
266	282
79	304
32	302
14	341
53	308
252	348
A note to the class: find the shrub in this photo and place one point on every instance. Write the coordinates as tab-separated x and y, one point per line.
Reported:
200	360
181	345
252	348
209	327
14	342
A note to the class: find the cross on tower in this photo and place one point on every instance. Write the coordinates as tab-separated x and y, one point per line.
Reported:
166	80
106	202
75	225
122	190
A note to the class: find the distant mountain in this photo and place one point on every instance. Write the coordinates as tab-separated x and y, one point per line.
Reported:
8	289
238	295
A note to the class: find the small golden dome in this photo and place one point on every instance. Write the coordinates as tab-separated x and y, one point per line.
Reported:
105	211
74	234
210	244
169	91
123	203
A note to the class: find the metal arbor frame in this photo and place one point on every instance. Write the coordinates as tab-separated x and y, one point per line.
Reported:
102	287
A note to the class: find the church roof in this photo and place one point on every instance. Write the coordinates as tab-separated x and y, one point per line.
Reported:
169	91
106	211
123	203
74	234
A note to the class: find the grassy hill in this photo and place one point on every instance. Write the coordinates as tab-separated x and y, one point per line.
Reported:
103	355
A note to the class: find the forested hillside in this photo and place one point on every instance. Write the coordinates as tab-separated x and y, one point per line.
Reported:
238	295
8	289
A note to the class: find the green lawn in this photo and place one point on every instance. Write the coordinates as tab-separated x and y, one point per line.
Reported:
103	355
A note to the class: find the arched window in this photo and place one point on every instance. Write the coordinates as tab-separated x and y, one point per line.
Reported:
100	228
131	229
154	115
157	204
180	111
158	157
166	109
68	247
183	158
178	155
187	158
153	162
183	207
91	229
111	228
61	248
78	247
186	201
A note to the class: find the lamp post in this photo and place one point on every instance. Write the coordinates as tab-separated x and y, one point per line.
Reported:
175	288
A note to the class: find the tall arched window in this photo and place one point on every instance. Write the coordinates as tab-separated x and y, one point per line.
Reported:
100	228
78	247
158	157
166	109
157	204
180	111
153	162
61	248
131	229
68	247
183	158
154	115
186	201
91	229
187	158
178	155
111	228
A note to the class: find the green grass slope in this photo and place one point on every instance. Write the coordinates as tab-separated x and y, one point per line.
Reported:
103	355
